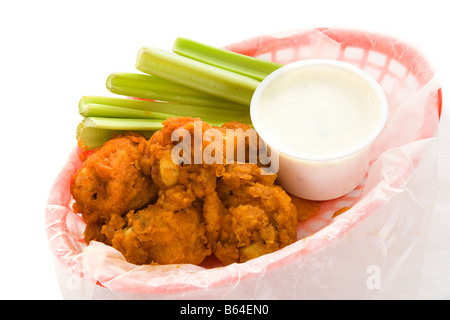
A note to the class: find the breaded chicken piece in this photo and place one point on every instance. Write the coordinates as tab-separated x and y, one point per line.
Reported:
157	160
248	216
173	229
231	210
111	182
170	231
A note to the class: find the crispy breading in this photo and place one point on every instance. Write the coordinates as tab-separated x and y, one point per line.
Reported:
111	182
155	210
158	235
248	216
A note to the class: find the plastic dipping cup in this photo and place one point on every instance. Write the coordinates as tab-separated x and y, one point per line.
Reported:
321	118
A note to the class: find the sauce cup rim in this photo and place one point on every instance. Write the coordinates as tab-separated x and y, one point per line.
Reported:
361	74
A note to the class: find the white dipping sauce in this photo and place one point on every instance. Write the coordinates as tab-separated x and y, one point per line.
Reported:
318	110
321	118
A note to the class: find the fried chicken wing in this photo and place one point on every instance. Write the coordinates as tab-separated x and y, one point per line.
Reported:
111	182
134	196
248	216
170	231
166	173
173	229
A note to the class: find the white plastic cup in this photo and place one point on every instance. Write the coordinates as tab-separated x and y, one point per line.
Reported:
324	176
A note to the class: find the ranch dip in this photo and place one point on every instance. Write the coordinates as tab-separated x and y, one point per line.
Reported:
317	111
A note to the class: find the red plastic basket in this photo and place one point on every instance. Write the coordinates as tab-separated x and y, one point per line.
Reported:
400	70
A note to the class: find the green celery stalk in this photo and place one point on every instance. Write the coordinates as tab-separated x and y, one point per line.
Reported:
109	111
248	66
197	75
92	132
123	124
97	106
154	88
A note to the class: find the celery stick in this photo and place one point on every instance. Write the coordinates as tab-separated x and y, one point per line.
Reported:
248	66
108	111
98	106
118	102
123	124
92	132
197	75
150	83
90	138
154	88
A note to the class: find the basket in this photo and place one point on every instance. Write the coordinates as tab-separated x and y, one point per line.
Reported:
373	250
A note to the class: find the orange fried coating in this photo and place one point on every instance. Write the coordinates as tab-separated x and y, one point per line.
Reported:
230	210
200	178
157	235
173	229
111	182
249	215
305	208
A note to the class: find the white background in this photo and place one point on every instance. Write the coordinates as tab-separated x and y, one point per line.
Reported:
54	52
